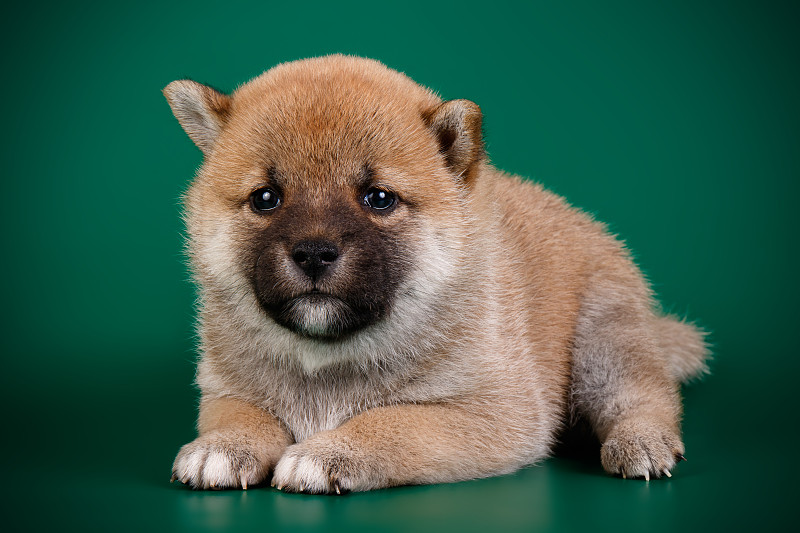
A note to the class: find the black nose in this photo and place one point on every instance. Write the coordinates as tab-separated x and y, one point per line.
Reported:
315	257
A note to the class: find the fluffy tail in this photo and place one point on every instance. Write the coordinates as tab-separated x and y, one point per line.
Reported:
685	346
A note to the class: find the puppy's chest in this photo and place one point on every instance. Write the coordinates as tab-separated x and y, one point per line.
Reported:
310	405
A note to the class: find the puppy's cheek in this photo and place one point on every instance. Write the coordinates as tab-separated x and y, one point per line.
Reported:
217	260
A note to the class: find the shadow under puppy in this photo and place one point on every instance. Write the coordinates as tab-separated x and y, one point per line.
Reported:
380	306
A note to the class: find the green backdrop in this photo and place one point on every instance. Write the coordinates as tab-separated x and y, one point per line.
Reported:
675	122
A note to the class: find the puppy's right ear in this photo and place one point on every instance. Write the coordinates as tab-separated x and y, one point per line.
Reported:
201	111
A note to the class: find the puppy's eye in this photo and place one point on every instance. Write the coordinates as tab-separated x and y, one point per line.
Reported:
379	199
264	199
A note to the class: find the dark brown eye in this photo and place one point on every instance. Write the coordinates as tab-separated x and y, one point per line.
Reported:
379	199
264	199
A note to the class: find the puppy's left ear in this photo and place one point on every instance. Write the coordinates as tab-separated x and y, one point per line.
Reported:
457	126
201	111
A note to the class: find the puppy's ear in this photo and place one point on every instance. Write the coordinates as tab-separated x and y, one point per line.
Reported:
457	126
201	111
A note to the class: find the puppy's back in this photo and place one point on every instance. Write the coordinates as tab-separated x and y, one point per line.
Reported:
553	253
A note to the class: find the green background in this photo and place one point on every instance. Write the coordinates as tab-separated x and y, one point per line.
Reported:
676	122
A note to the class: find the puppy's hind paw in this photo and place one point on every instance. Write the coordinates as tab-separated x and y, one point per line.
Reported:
640	448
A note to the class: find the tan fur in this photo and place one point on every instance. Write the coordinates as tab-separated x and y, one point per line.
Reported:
514	309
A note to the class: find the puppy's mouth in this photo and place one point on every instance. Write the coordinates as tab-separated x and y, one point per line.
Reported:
340	304
317	314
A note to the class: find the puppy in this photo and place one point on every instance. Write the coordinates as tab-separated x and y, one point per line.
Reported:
380	306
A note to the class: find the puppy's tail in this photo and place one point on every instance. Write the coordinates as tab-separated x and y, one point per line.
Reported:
685	346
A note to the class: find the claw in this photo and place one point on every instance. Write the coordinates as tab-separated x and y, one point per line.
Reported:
302	487
336	487
667	472
243	479
647	476
173	478
280	486
681	457
623	474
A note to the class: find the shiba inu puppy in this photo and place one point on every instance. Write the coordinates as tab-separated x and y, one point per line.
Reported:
380	306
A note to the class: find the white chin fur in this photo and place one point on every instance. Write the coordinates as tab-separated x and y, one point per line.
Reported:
317	317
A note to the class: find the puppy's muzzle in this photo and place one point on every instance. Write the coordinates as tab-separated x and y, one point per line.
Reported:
316	258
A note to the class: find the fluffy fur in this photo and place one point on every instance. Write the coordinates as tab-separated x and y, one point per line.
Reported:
451	336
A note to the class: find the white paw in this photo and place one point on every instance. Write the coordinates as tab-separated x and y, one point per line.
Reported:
320	465
218	461
302	474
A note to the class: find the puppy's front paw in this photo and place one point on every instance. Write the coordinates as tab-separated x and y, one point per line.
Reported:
324	465
219	460
641	448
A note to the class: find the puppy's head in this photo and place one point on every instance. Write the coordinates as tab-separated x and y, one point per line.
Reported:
332	193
